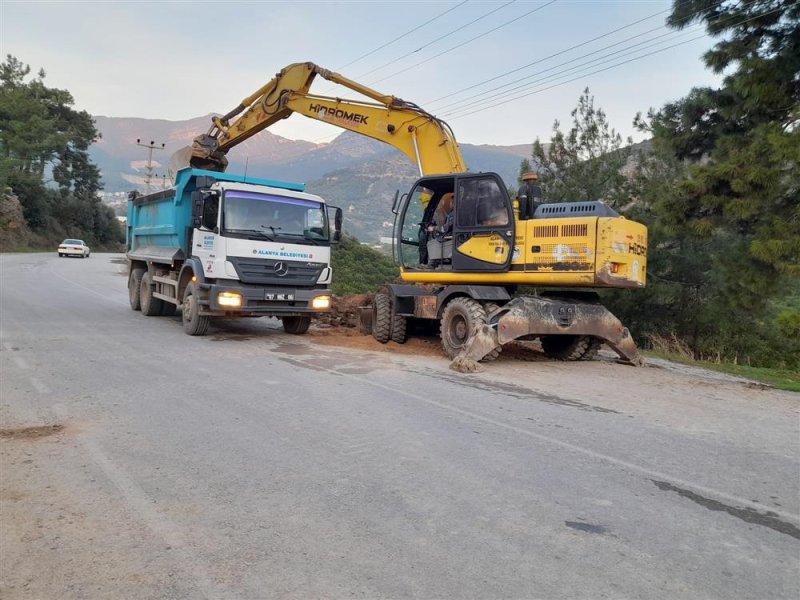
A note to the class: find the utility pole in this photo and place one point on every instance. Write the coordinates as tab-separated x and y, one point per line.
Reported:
149	168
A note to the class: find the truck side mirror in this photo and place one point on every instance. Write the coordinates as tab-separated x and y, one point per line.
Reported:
210	212
337	225
197	209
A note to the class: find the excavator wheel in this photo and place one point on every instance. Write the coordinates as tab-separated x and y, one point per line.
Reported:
382	317
569	347
399	329
461	317
594	347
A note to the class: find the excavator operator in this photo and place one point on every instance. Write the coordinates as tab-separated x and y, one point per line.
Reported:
529	195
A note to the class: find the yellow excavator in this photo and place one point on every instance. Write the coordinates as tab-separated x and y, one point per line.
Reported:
462	266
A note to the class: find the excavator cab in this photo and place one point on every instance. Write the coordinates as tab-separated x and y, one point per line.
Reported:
455	223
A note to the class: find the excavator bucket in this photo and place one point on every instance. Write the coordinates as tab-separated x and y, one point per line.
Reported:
202	154
542	316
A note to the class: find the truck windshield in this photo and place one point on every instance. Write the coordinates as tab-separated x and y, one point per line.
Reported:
269	216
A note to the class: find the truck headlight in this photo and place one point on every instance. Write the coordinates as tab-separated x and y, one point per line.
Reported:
321	302
229	299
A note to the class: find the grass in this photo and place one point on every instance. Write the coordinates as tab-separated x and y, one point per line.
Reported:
782	379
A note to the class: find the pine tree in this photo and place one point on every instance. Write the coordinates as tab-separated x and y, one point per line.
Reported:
586	163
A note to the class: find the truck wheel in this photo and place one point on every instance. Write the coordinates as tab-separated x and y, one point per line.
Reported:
134	285
460	318
382	318
151	307
167	308
566	347
399	329
296	325
193	322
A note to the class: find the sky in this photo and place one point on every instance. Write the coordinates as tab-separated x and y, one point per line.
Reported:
499	72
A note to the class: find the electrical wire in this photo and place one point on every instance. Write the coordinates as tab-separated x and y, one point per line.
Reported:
506	101
400	37
559	53
441	37
453	106
448	96
464	43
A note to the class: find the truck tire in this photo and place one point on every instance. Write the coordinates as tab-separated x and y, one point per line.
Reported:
296	325
151	306
568	347
460	318
134	288
167	309
193	322
382	317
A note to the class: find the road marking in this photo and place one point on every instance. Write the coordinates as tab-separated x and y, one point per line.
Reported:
136	498
650	473
90	290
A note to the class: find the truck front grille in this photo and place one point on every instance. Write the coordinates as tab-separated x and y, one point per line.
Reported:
265	271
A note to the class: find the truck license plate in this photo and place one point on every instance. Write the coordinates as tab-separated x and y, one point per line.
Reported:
269	296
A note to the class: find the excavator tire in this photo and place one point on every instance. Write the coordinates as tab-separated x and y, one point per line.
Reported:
567	347
382	318
461	317
399	329
591	351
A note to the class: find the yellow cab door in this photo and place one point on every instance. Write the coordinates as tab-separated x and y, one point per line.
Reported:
483	227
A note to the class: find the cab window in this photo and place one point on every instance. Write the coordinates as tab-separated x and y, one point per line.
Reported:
480	203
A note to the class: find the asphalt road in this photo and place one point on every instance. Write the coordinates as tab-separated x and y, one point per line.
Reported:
254	464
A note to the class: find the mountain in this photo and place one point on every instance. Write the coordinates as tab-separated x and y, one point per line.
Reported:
356	172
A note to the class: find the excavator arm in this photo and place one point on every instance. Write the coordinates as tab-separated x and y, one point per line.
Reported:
427	141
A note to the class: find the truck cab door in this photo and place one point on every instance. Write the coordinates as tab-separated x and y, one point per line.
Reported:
483	227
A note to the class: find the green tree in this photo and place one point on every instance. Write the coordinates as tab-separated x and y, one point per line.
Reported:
585	163
44	158
358	269
725	224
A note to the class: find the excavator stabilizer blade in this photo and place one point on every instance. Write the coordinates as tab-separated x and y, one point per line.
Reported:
482	341
538	316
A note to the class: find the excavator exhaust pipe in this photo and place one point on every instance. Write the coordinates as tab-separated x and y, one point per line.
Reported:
541	316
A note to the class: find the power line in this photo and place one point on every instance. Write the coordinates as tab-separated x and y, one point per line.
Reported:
564	52
649	41
564	72
441	37
594	39
516	19
458	116
400	37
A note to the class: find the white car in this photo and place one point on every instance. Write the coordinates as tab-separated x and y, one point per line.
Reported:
72	247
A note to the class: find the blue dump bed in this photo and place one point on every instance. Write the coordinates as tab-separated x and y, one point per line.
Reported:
159	224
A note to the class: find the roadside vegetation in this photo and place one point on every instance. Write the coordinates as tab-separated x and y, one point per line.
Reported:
48	185
358	268
718	186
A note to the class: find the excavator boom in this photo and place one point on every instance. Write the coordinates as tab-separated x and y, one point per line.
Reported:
427	141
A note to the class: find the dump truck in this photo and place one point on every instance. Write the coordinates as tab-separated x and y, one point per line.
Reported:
220	245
